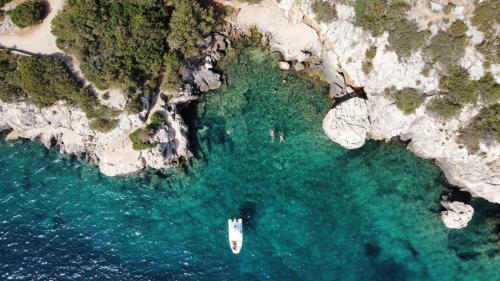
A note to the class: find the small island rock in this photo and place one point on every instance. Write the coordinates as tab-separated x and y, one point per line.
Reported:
457	214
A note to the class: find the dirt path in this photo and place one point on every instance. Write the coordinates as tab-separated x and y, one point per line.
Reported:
38	39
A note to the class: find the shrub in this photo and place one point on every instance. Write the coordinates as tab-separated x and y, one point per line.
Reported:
367	67
458	86
407	99
486	18
140	139
484	126
404	37
378	16
443	107
324	11
446	49
427	69
9	81
371	53
103	125
488	89
171	75
448	8
486	15
29	13
457	29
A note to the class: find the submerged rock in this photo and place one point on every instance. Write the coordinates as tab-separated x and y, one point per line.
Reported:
347	123
457	214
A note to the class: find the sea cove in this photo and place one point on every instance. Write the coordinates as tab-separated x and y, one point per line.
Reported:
312	210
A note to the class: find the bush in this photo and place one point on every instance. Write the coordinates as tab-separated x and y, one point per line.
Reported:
448	8
371	53
407	99
324	11
443	107
458	86
484	126
446	49
171	76
9	81
103	125
29	13
488	89
404	37
486	18
457	29
367	67
140	139
378	16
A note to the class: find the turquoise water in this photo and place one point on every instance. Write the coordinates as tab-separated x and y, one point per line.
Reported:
312	210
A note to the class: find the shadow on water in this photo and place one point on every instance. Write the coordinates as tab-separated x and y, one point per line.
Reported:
248	211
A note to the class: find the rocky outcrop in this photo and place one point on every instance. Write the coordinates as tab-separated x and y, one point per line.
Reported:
342	47
347	123
457	214
68	128
206	79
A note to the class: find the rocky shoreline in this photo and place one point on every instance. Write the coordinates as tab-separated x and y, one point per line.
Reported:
341	47
289	28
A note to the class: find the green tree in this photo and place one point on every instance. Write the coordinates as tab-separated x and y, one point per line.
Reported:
29	13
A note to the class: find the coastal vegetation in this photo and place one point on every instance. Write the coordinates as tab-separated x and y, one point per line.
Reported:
141	138
29	13
406	99
324	11
370	53
486	17
45	80
483	127
378	16
447	48
131	44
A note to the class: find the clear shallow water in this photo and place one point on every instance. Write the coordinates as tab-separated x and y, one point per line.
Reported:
312	210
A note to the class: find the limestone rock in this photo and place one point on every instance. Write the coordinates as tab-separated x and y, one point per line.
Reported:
206	79
347	123
283	65
299	66
457	214
69	129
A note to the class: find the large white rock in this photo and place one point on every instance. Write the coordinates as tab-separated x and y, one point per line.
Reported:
347	123
457	214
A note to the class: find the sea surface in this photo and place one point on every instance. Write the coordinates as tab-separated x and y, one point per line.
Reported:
311	209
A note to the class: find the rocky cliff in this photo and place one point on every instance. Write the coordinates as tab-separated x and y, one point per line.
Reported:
68	128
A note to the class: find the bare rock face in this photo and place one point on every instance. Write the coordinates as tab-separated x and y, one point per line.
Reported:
457	214
206	79
347	123
68	128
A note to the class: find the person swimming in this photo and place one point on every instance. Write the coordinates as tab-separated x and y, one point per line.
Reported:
282	137
271	133
229	131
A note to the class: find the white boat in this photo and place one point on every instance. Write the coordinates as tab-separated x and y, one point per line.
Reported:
235	228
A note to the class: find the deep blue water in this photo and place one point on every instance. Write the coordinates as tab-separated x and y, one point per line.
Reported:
312	210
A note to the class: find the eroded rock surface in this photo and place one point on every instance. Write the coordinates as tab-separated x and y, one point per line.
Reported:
68	128
457	214
347	123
